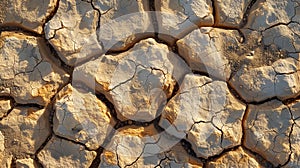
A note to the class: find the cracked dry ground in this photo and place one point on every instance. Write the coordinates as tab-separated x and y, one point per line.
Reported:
149	83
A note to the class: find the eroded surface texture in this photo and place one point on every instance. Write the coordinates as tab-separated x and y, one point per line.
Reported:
211	120
267	131
95	27
24	130
143	147
30	14
158	83
176	18
62	153
26	74
81	117
138	81
236	158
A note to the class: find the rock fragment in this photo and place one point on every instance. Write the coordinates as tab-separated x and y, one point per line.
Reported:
255	84
5	159
127	146
25	73
177	18
286	66
26	163
271	12
30	14
123	23
267	131
295	141
178	157
236	158
2	147
61	153
211	120
202	50
285	37
230	13
258	84
145	147
81	117
295	135
25	130
98	26
139	81
72	31
5	106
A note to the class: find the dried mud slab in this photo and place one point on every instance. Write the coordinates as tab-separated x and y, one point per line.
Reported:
81	117
28	163
30	14
280	80
236	158
144	147
207	113
269	13
97	27
294	160
24	131
61	153
5	106
268	129
285	37
176	18
203	51
230	13
139	81
27	74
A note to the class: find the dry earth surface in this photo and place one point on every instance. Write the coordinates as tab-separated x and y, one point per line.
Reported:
149	83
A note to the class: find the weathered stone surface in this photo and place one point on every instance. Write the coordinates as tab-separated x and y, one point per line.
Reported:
74	39
2	147
295	109
30	14
258	84
286	66
25	73
176	18
145	147
287	85
123	23
138	81
207	112
178	157
96	29
5	159
83	84
267	13
295	141
236	158
230	13
202	50
26	163
127	146
61	153
25	130
267	131
284	37
5	106
81	117
295	135
255	84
